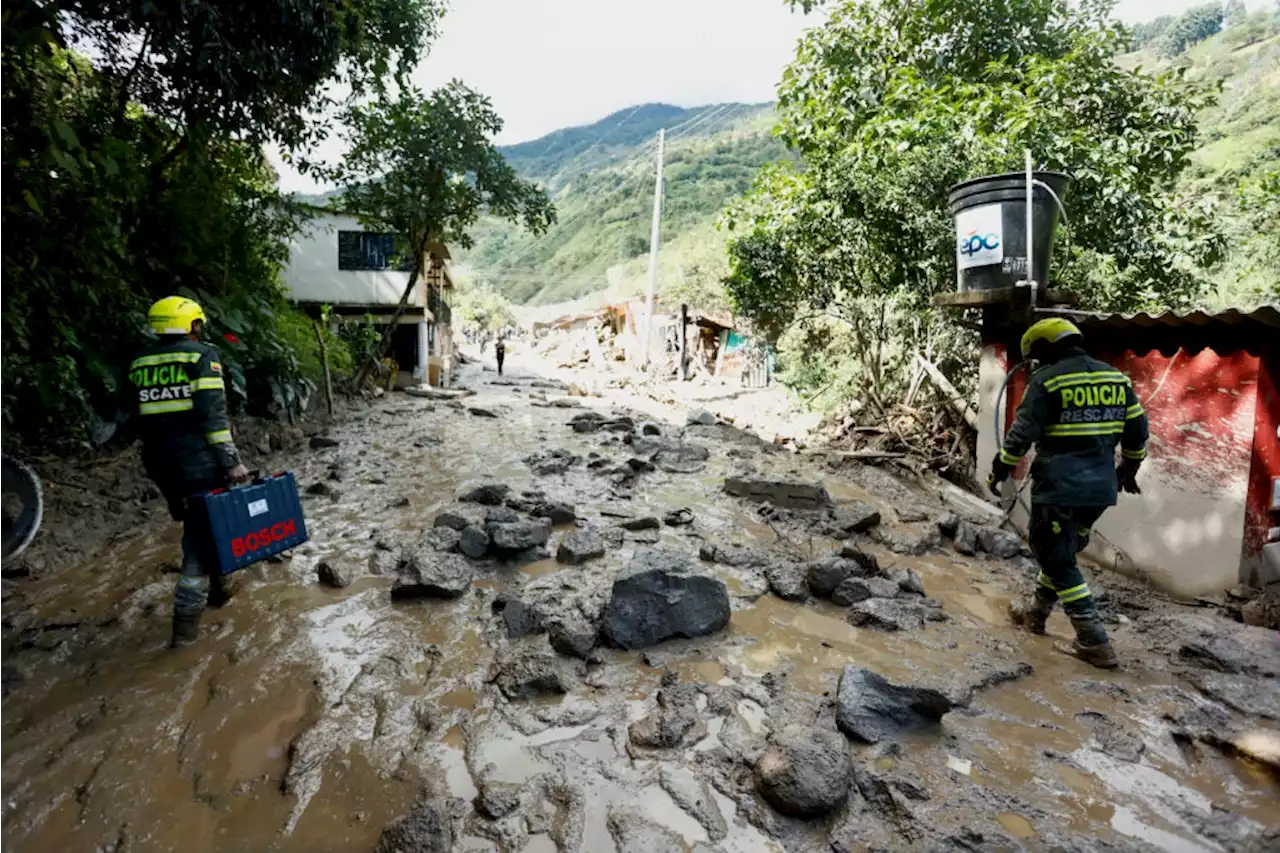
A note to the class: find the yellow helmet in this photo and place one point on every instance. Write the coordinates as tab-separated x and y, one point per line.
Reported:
1050	330
174	315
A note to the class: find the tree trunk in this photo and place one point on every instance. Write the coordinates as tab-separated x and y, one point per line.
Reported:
324	361
419	257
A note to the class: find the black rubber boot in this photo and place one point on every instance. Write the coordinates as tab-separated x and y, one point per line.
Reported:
186	628
1033	611
1092	644
221	589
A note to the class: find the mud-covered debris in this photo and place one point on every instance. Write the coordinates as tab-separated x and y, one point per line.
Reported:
966	539
336	574
580	546
731	555
400	502
321	489
587	422
557	512
906	541
825	575
496	800
1113	738
501	515
648	522
638	466
805	772
911	515
452	519
490	494
781	493
1227	646
423	830
1025	566
871	708
519	618
695	797
633	833
895	614
480	412
529	669
999	543
908	581
425	573
322	442
682	458
947	524
1246	694
555	461
661	595
519	535
852	590
441	538
787	580
667	726
678	517
700	417
855	517
473	541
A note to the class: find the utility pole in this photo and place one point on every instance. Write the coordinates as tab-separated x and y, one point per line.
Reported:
654	234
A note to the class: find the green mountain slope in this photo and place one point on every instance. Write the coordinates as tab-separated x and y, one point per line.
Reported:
602	179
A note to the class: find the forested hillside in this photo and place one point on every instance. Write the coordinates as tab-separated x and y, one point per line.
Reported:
601	177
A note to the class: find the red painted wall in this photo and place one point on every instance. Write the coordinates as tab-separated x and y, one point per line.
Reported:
1266	459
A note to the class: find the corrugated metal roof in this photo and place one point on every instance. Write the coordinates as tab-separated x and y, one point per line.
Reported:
1267	315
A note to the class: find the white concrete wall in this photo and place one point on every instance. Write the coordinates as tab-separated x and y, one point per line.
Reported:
312	274
1181	534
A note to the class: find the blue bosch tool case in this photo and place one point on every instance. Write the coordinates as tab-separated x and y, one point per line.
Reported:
243	525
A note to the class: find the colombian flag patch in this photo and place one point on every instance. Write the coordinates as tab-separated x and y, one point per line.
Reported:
215	367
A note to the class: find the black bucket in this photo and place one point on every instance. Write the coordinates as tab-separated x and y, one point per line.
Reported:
991	223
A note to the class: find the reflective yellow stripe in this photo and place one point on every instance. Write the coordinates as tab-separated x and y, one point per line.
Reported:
208	383
166	358
1045	582
1008	458
164	406
1134	411
221	436
1089	377
1140	453
1066	596
1103	428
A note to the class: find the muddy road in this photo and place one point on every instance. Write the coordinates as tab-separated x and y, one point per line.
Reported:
310	717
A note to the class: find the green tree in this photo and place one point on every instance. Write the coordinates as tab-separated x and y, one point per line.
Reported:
890	103
424	167
1191	27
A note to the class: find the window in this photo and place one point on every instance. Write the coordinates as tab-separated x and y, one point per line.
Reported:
364	250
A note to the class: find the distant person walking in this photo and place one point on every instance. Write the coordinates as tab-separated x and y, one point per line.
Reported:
500	350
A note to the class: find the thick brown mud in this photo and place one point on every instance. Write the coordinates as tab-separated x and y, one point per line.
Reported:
307	718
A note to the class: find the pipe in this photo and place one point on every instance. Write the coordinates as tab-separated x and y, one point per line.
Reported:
1031	266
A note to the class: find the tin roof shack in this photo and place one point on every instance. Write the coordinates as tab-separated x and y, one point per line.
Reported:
1207	518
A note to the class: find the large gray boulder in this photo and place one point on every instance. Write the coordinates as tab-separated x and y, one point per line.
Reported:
425	573
423	830
783	493
805	772
661	595
871	708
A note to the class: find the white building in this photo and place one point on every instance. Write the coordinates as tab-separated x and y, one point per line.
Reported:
334	261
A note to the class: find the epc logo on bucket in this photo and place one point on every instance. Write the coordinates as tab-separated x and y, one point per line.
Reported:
979	236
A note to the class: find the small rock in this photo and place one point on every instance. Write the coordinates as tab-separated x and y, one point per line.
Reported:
528	670
1025	566
473	541
895	614
580	546
648	522
519	535
441	538
520	618
650	428
871	708
557	512
911	516
782	493
501	515
661	595
855	517
320	442
908	580
555	461
805	772
321	489
640	466
966	539
682	458
825	575
673	719
999	543
423	830
336	575
700	416
400	503
422	573
451	519
633	833
482	413
678	518
787	581
947	524
853	590
731	555
490	494
496	800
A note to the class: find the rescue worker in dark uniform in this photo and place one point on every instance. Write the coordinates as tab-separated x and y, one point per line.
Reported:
186	437
500	350
1075	411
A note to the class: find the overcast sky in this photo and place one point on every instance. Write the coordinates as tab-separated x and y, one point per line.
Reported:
549	64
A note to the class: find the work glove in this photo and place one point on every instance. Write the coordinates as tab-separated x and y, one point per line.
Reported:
1127	476
999	472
